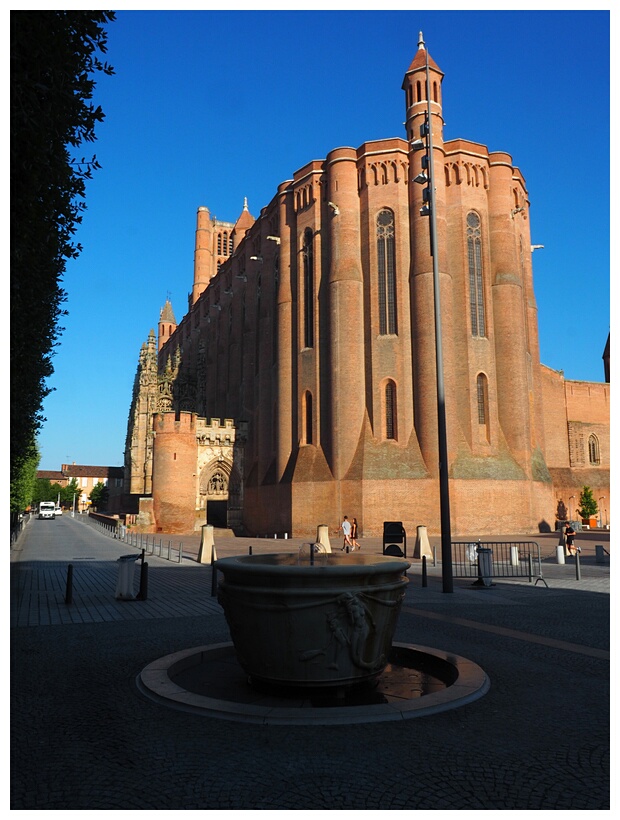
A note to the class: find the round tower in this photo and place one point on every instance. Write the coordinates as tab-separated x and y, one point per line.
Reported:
346	306
204	267
514	394
284	398
174	472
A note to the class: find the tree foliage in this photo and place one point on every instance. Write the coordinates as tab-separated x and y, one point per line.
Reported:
67	493
23	484
99	496
587	504
53	58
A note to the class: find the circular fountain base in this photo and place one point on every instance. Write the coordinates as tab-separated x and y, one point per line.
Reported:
209	681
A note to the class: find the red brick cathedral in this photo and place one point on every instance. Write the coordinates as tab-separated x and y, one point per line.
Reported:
300	386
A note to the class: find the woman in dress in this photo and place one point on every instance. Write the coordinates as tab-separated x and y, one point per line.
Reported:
354	540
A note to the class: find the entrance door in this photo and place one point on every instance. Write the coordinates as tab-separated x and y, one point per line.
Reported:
217	514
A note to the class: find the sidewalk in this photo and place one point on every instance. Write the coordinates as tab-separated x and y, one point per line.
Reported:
83	738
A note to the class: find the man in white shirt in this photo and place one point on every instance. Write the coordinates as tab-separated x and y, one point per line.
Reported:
346	531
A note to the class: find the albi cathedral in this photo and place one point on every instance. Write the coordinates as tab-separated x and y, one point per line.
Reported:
300	385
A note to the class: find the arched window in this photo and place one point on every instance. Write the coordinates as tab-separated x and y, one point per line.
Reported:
474	258
386	271
308	318
482	393
390	410
419	90
307	417
594	451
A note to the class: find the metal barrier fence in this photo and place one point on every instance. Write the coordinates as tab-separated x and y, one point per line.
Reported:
18	523
497	559
141	541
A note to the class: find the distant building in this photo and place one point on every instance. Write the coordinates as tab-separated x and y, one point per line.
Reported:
300	385
87	477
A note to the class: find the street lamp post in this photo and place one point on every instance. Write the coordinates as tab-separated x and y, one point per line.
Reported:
600	512
429	209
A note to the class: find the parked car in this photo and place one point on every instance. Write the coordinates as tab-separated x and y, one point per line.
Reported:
58	510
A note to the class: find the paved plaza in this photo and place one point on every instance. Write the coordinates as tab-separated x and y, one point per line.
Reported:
84	738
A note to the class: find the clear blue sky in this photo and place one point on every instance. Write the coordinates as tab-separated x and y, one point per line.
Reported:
207	108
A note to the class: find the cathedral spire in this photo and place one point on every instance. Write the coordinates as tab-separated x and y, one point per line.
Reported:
167	323
243	224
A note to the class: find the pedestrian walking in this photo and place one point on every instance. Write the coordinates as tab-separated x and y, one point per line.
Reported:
570	534
346	531
354	535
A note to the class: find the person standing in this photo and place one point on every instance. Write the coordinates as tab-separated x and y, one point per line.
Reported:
346	531
354	535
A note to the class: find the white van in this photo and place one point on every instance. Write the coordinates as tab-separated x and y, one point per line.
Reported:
47	509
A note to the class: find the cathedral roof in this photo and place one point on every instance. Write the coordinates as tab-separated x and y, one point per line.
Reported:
167	314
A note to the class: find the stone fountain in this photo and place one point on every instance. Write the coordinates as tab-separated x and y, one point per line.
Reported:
313	619
312	643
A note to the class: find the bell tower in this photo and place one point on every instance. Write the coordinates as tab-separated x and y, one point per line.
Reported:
422	86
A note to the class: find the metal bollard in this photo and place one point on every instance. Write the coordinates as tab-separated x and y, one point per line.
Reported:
69	590
577	566
434	556
424	576
250	550
144	582
213	573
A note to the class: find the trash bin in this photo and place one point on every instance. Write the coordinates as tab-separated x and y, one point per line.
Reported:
471	551
485	565
124	585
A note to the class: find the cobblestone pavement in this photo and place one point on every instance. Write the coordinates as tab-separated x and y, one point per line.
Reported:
83	738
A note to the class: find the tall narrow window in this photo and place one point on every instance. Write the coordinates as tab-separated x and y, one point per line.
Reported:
474	258
307	418
594	452
386	271
308	289
390	410
259	280
274	318
482	391
482	409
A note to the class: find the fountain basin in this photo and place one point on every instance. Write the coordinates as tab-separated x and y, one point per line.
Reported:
326	622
